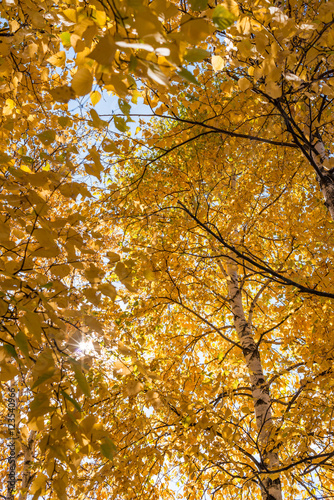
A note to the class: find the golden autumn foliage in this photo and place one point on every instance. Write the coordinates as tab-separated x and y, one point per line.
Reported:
166	296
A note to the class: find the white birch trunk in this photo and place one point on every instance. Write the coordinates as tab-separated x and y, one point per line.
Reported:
271	488
27	459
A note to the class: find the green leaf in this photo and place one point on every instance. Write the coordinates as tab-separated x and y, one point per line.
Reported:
198	5
27	159
22	343
47	137
196	55
120	124
222	18
124	106
108	448
11	350
186	75
43	378
81	379
73	401
66	39
64	121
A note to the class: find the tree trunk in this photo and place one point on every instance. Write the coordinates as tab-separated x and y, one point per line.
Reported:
327	189
26	472
326	180
271	488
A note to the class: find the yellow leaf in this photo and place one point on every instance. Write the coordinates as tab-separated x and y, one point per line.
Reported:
244	25
70	190
153	398
93	274
14	26
128	284
194	30
25	168
120	369
90	294
93	324
108	290
122	271
58	59
62	93
10	103
8	108
273	90
82	82
3	307
97	122
71	14
100	17
4	231
244	84
8	372
217	63
133	388
157	76
61	270
104	51
33	323
150	275
232	6
113	257
125	350
44	237
47	252
95	97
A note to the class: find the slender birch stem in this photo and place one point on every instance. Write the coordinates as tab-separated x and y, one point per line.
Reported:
271	488
26	472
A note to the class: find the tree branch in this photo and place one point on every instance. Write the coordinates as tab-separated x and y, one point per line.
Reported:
266	269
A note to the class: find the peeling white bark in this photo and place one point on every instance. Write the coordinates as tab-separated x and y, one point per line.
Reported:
27	460
271	488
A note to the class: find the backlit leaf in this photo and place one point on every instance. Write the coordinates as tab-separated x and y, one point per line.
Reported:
108	448
222	18
82	82
81	380
95	97
217	63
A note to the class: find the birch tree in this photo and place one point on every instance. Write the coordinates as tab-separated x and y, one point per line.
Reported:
210	363
234	287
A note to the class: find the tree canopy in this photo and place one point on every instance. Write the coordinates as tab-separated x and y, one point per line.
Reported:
166	294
